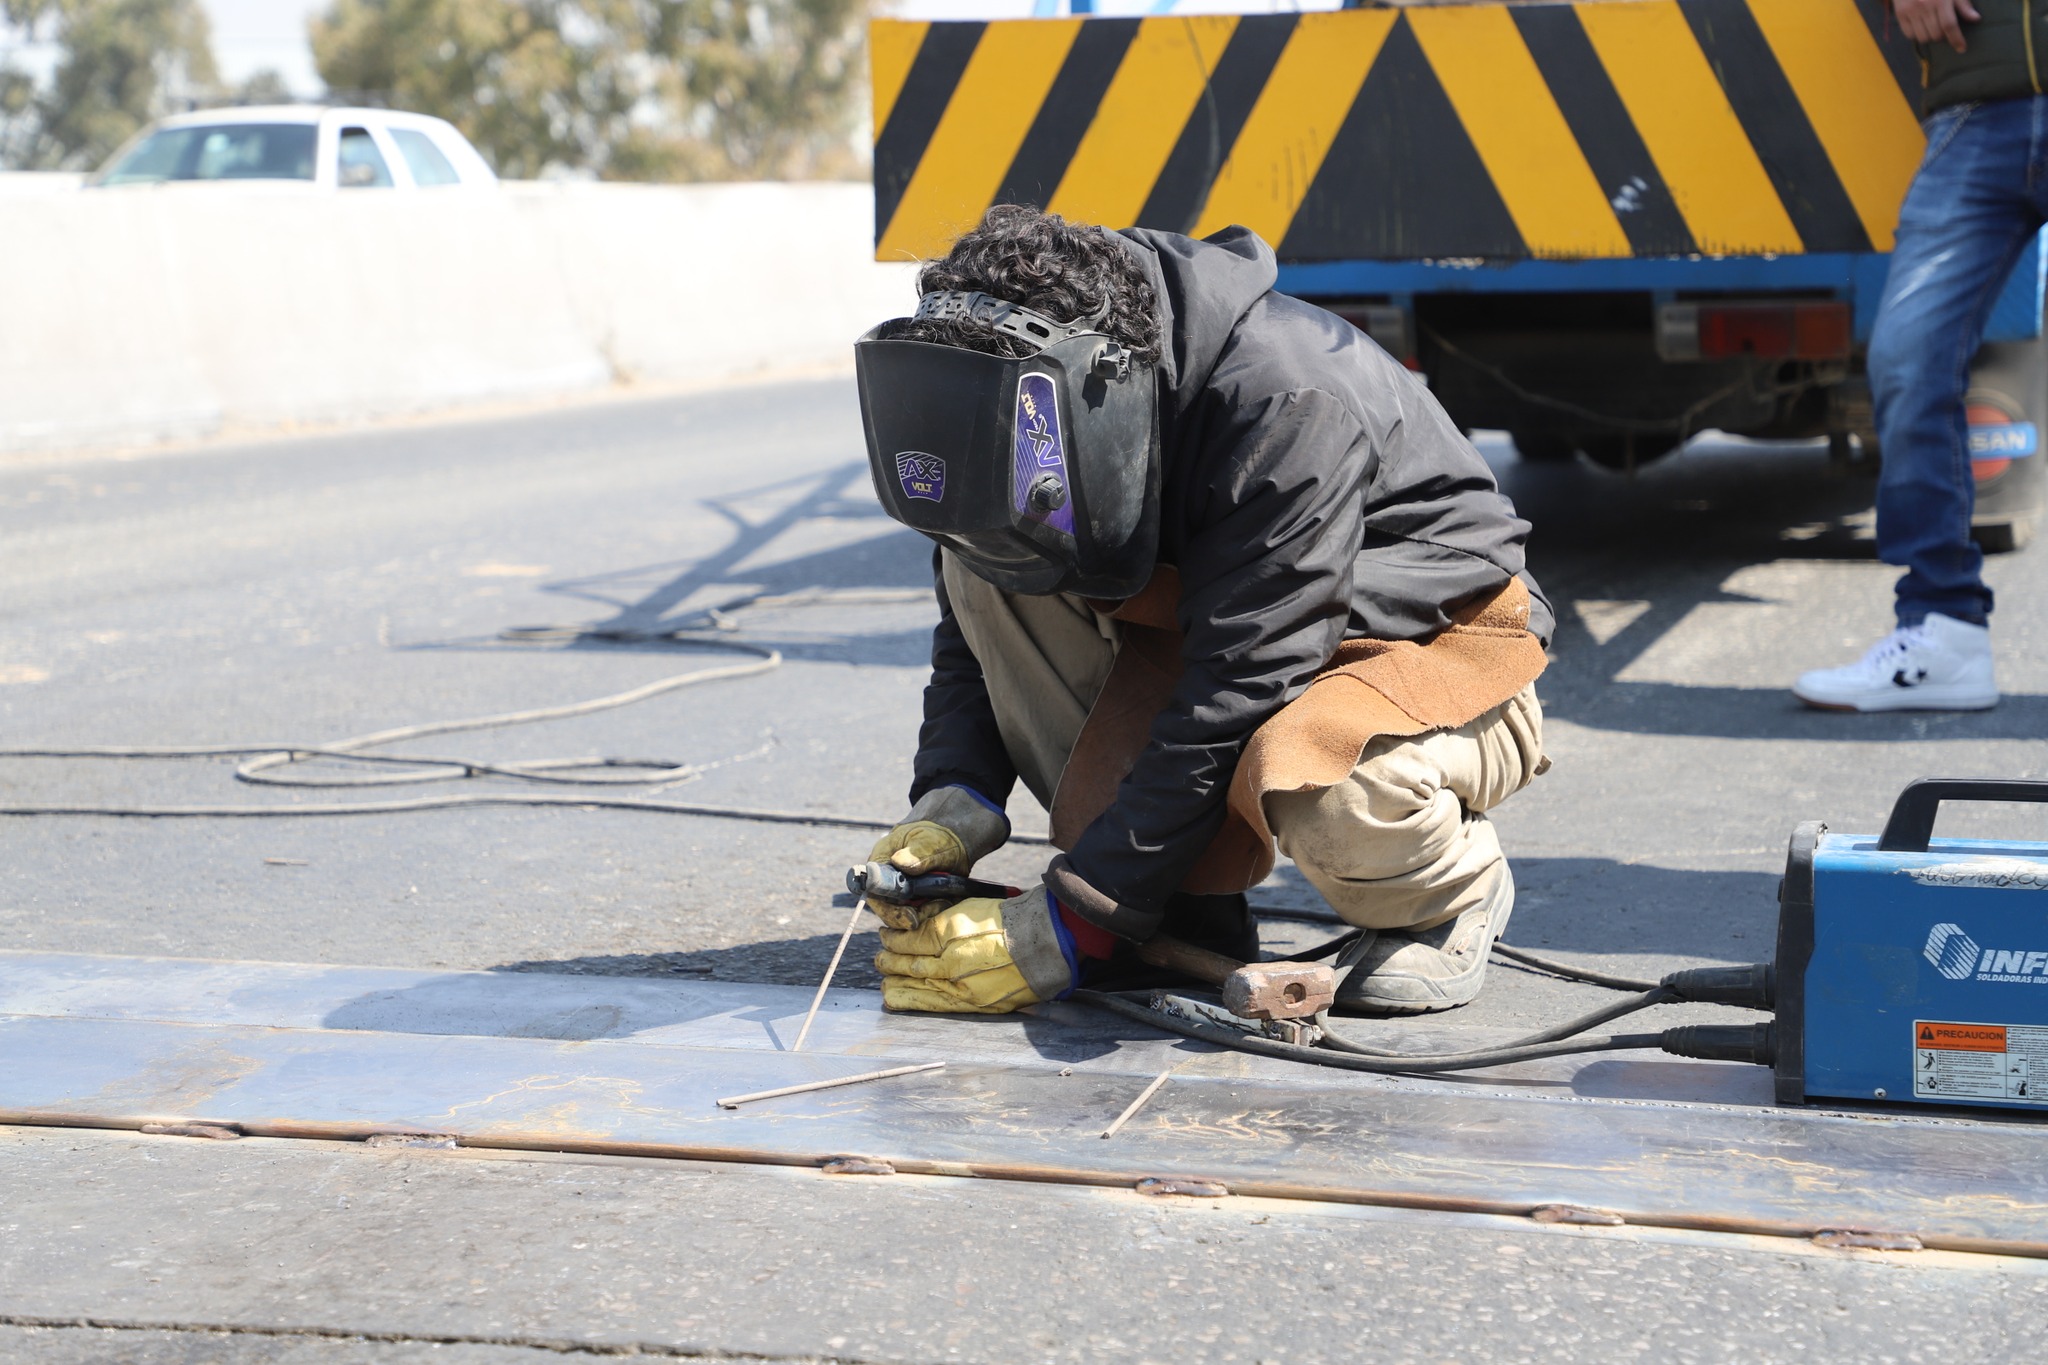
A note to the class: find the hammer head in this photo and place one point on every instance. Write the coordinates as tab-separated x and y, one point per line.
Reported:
1279	990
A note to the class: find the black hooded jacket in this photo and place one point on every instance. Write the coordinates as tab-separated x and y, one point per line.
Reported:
1314	492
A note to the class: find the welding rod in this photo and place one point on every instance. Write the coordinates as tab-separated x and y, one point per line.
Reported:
735	1101
831	970
1139	1103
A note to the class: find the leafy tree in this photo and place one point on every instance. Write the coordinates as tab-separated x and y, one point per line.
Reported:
262	87
757	91
526	80
625	89
124	63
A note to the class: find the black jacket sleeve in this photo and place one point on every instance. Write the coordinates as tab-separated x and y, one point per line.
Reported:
1274	525
958	743
1438	531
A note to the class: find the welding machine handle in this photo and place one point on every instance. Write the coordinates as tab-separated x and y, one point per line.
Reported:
1912	820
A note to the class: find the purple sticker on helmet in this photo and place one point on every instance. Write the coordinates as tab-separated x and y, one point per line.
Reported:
1039	459
922	475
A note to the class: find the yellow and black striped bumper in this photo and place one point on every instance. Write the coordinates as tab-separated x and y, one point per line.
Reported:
1567	131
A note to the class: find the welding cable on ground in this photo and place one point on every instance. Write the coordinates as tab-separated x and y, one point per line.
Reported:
1660	995
1318	915
1227	1037
264	758
418	803
1321	950
1752	986
1749	986
267	762
1306	914
1585	974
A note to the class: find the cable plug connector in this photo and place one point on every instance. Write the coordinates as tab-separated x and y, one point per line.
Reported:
1754	986
1757	1043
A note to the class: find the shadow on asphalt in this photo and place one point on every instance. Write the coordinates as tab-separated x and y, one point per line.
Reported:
1599	905
1659	544
674	595
770	961
466	1003
1590	905
657	597
1771	713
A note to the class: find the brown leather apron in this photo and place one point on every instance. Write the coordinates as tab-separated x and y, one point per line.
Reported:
1368	689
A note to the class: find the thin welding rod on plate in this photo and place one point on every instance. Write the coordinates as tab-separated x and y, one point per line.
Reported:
860	903
735	1101
1139	1103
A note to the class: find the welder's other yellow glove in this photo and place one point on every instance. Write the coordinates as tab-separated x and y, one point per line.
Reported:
978	956
948	830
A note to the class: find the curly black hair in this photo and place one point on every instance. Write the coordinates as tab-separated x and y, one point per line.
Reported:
1062	269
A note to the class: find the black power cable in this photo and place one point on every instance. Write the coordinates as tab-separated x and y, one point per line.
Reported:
1224	1036
1754	1043
1321	950
1658	995
1585	974
270	764
1751	987
1318	915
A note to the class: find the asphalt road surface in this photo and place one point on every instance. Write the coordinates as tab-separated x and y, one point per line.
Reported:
300	592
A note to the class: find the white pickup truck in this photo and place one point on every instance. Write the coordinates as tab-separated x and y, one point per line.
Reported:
307	145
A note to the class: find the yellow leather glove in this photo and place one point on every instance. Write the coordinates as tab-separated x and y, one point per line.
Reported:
978	956
948	830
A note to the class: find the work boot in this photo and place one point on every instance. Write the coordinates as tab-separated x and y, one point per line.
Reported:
1417	971
1222	924
1942	664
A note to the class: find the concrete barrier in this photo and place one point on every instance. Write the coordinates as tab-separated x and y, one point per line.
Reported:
40	182
681	282
135	315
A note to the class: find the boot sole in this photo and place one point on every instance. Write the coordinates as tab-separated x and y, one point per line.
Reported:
1918	699
1385	1009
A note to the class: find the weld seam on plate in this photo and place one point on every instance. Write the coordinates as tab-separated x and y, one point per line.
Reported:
566	1346
1248	1187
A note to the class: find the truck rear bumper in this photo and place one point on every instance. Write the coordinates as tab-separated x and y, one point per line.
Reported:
1857	277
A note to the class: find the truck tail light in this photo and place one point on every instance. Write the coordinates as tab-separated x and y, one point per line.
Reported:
1817	330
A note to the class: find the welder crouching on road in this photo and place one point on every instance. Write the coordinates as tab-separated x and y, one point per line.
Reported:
1214	573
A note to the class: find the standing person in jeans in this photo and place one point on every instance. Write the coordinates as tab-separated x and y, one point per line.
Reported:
1981	194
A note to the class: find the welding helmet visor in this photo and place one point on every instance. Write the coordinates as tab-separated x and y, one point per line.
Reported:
1042	473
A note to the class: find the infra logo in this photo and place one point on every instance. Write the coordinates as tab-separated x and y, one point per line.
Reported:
1953	952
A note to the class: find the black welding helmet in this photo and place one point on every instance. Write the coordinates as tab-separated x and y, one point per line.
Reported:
1041	474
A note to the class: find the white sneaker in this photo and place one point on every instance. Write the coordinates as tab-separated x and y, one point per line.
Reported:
1942	664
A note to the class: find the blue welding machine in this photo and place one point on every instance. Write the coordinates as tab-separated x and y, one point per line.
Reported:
1912	969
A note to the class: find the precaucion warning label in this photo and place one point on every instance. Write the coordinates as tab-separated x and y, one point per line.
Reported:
1980	1062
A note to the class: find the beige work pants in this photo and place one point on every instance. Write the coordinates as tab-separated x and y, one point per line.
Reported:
1403	843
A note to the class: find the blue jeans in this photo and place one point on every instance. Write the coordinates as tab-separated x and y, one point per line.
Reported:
1980	195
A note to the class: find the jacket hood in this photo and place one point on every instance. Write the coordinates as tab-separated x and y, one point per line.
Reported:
1205	288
